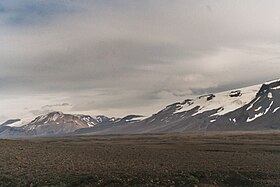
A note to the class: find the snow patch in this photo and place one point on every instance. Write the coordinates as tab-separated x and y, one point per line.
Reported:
276	88
255	117
222	101
251	106
272	81
268	107
213	120
269	95
260	114
275	110
258	109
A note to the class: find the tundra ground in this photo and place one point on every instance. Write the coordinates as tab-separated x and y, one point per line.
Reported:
184	159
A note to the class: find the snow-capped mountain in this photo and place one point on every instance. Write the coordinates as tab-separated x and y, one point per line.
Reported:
251	108
262	112
54	123
59	123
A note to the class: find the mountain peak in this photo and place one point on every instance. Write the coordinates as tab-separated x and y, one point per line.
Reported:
59	123
268	86
250	108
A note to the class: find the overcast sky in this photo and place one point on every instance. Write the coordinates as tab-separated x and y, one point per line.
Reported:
118	57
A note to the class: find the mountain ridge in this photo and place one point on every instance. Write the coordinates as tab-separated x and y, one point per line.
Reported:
251	108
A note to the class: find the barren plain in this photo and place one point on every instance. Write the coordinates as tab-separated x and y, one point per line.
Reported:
183	159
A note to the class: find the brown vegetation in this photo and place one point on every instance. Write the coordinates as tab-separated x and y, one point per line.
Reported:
189	159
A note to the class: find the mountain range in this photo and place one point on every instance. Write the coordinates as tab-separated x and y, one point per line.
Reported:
250	108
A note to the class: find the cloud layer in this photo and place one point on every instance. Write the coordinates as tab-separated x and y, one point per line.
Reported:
120	56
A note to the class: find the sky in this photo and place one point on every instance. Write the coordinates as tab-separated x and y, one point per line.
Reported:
119	57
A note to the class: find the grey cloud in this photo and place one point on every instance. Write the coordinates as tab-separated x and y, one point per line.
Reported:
105	55
55	105
49	108
40	112
108	62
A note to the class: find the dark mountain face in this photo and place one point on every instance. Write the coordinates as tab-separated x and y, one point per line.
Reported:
251	108
11	132
261	113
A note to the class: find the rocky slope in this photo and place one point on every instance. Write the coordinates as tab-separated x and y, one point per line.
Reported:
54	123
251	108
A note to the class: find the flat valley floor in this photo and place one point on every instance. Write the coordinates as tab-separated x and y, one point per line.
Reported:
183	159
